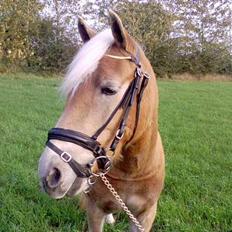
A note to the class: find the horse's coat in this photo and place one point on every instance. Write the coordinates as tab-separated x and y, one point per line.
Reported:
138	163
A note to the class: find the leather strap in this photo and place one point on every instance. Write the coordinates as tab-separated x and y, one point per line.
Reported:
122	104
79	170
82	140
144	83
78	138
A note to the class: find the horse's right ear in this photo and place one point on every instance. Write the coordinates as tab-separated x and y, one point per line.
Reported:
85	31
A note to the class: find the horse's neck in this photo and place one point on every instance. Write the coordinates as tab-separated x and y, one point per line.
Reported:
138	158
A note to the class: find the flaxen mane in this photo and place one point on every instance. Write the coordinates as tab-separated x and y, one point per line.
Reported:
86	61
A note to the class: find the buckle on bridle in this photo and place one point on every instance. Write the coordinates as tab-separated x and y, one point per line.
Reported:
138	71
98	150
147	76
118	135
66	157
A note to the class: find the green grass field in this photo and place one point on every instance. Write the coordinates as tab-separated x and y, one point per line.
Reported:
196	127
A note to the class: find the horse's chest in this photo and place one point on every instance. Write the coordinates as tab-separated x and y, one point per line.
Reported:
135	200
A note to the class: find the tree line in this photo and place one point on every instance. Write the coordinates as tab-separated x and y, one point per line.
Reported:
178	36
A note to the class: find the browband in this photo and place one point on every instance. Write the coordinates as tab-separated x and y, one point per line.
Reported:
119	57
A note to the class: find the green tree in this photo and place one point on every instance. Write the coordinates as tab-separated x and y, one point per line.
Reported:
203	29
151	24
51	52
18	21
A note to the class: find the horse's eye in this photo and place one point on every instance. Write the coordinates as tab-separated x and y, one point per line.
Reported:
108	91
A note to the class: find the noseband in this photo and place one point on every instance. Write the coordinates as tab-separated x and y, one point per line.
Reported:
134	91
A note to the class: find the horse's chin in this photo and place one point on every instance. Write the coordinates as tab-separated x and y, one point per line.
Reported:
76	188
54	194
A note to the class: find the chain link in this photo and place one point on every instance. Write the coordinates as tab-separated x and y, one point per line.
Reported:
121	203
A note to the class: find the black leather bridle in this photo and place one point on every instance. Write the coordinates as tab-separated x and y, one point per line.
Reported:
134	91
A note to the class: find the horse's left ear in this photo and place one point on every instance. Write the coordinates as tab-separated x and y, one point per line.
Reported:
85	31
120	34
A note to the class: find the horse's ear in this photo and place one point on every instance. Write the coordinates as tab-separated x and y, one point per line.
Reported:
119	32
85	31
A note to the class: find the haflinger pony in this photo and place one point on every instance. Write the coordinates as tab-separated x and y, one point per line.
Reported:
106	144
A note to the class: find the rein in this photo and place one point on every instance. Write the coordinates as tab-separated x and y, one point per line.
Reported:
134	91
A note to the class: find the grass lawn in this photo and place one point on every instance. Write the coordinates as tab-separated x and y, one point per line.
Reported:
196	127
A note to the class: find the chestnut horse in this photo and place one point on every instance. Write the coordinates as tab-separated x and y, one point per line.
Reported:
99	84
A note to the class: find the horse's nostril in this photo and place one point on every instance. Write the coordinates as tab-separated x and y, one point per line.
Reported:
53	178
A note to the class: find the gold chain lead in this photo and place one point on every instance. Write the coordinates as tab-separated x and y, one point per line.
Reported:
121	203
